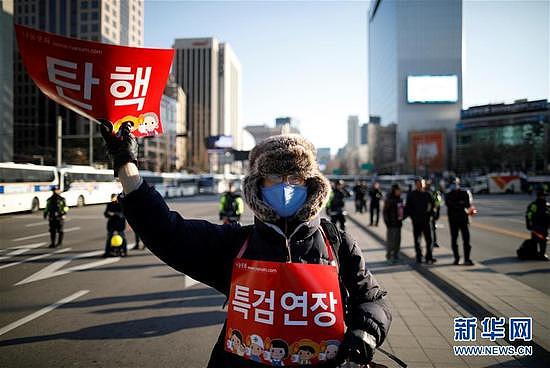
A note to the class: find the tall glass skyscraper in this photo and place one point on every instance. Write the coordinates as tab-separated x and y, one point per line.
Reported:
407	42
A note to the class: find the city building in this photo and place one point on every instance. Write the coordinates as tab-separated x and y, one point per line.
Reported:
323	157
108	21
6	81
382	147
414	68
210	75
504	137
353	131
363	134
166	153
261	132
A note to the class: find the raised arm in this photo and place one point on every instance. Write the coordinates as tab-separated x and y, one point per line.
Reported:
197	248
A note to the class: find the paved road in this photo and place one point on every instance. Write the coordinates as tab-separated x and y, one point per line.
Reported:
70	307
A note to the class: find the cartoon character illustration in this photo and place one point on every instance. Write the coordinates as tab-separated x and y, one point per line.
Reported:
255	347
277	351
235	343
149	123
304	351
329	349
146	124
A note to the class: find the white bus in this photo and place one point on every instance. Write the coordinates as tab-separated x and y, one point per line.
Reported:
172	185
25	187
82	185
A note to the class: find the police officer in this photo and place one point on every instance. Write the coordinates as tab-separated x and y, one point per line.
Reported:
419	208
360	190
538	220
337	203
437	200
286	193
375	195
115	223
459	204
55	211
231	205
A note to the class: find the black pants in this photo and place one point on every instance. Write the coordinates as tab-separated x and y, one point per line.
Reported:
339	217
56	229
422	228
465	233
374	208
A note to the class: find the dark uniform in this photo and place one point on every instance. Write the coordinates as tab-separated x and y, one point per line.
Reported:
419	208
458	201
116	222
437	199
55	211
360	191
537	219
375	196
336	205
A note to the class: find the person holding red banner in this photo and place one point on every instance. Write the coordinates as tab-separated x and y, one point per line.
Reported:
298	291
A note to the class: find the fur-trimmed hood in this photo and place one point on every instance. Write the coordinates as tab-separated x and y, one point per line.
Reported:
283	155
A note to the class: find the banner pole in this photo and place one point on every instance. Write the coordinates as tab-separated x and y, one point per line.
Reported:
59	140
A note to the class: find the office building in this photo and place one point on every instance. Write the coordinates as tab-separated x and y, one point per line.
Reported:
415	78
353	131
282	126
209	73
382	147
363	134
504	137
6	81
109	21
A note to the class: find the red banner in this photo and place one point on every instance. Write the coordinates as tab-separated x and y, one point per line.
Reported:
284	313
98	81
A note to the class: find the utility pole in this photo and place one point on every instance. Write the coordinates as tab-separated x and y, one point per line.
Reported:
91	143
59	140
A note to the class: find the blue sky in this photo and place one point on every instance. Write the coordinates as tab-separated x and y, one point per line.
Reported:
308	59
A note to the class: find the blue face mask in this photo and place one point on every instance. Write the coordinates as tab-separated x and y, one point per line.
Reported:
285	199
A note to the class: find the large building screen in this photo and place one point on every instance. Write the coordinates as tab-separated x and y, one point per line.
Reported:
432	88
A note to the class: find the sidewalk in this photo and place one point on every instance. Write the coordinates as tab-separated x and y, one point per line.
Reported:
426	299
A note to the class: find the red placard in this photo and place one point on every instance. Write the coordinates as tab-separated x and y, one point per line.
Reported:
98	81
284	313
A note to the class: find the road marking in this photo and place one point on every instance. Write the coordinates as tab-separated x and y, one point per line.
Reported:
20	250
63	250
44	222
44	234
54	269
516	221
498	230
42	311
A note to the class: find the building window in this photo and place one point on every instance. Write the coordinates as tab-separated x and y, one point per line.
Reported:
83	28
107	8
83	16
95	4
94	15
95	27
95	38
84	5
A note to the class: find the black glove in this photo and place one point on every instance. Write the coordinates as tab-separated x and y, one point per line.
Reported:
122	146
354	349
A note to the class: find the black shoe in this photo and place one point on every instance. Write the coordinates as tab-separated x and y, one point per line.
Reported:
51	246
544	257
436	245
418	260
431	261
468	262
457	260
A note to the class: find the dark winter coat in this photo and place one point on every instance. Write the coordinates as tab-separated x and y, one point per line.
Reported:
419	206
537	217
115	217
375	197
393	211
206	251
457	202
